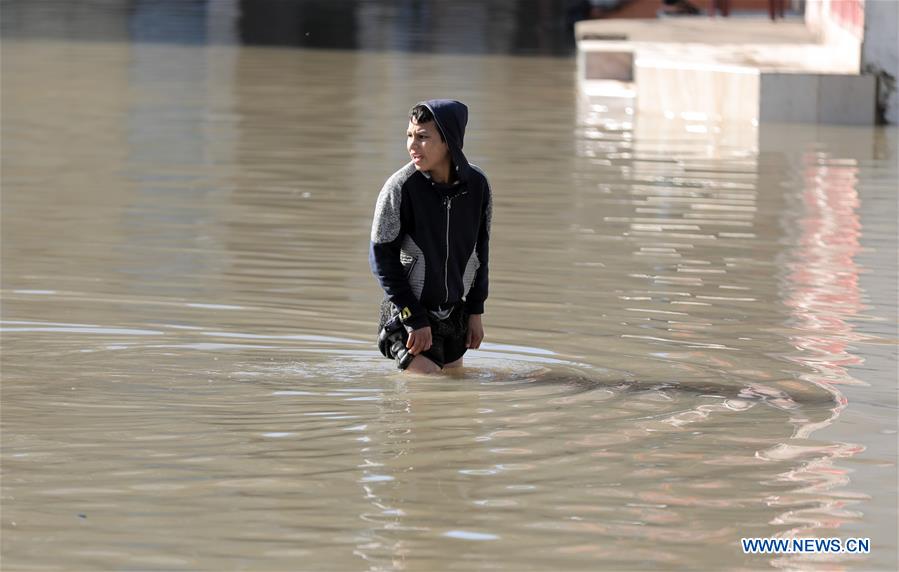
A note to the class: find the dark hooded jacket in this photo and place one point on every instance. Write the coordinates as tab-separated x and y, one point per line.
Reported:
429	241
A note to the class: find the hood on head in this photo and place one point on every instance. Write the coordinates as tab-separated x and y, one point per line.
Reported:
451	117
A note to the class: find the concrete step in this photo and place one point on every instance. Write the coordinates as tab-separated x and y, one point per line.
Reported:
635	9
747	71
720	92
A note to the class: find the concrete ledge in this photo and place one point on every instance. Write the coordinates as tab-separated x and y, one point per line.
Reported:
704	92
818	98
708	92
700	29
738	70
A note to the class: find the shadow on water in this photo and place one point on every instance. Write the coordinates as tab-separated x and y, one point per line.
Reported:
527	369
755	392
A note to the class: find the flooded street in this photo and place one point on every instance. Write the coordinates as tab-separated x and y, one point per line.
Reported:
690	334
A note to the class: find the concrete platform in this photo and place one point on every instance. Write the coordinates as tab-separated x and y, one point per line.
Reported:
699	29
735	69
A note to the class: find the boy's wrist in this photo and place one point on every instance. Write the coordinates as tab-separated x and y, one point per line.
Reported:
474	307
416	321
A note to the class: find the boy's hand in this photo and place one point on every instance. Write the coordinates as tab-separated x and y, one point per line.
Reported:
419	340
475	332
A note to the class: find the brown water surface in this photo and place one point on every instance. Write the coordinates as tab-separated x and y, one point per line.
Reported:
690	333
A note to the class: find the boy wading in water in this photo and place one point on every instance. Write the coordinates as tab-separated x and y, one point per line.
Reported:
429	245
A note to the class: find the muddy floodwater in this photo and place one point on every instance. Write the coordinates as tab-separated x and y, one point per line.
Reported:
690	334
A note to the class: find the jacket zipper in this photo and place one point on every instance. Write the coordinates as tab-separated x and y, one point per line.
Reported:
449	205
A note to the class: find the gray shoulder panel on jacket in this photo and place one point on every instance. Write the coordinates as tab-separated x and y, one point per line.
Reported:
386	225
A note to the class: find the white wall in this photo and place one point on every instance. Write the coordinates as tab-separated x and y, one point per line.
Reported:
820	17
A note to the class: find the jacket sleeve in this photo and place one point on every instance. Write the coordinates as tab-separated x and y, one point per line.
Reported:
474	302
387	233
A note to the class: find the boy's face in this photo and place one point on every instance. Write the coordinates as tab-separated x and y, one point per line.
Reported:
425	146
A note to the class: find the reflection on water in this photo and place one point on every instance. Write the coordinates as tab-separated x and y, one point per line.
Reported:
681	328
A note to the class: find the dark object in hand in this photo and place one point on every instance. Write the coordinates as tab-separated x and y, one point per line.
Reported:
392	342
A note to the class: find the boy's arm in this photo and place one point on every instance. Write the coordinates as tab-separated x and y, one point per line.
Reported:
384	256
474	301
